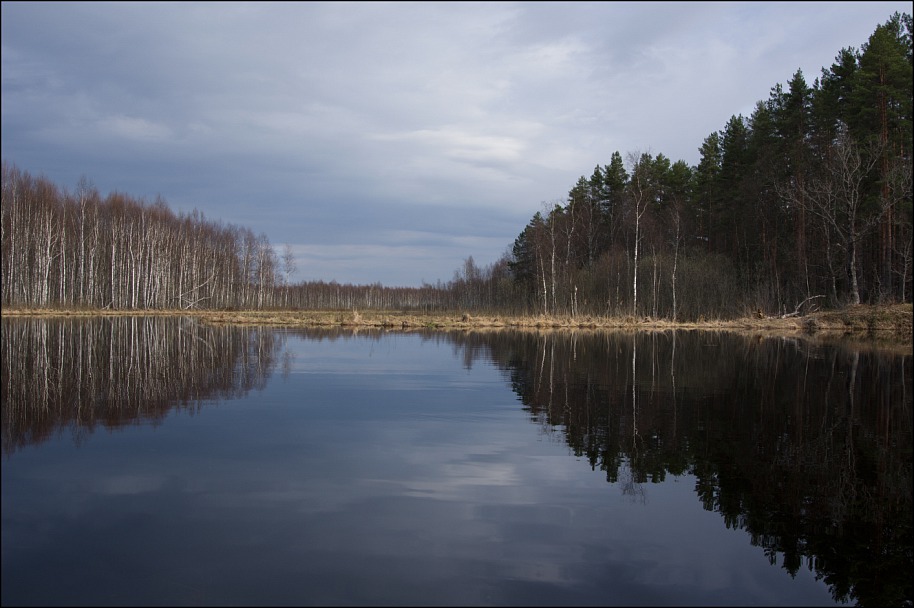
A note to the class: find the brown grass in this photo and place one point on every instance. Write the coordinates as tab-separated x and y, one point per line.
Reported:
892	323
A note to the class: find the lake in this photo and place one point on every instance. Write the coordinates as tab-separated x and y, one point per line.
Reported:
161	461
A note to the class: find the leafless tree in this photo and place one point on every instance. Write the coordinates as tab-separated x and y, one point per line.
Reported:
835	195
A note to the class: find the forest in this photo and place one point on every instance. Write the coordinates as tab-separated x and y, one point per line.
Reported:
807	200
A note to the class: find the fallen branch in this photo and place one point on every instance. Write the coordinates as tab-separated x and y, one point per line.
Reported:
796	312
192	303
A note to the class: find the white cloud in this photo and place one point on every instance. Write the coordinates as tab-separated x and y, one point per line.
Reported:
136	129
461	145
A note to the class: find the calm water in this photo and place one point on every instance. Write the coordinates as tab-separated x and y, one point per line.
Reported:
160	461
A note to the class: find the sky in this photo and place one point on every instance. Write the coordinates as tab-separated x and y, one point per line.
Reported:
388	142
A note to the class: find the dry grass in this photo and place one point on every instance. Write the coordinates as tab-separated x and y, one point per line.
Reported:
891	323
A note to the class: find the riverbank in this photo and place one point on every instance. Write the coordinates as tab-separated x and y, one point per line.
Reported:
892	322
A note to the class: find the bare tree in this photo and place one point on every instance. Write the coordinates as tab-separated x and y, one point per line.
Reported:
288	267
835	195
638	192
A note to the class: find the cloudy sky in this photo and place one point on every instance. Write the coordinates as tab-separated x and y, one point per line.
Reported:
388	141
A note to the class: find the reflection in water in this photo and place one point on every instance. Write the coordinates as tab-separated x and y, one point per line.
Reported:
806	447
77	374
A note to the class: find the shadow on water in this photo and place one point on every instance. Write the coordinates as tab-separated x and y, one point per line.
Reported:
807	447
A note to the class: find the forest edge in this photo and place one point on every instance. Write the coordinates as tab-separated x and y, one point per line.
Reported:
890	324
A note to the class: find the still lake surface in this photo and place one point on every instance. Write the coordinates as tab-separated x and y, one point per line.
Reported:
160	461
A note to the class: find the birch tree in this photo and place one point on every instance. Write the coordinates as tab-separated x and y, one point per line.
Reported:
835	195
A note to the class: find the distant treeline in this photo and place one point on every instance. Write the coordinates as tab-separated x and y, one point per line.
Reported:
809	197
78	249
81	250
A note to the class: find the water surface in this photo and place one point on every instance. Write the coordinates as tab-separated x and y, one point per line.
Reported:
160	461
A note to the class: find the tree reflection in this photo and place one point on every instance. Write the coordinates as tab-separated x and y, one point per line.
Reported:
806	447
78	374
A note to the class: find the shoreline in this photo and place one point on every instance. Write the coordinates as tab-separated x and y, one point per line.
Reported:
888	322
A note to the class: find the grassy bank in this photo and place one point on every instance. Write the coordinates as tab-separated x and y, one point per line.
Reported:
890	321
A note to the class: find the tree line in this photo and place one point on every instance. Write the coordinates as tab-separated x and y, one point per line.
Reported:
809	197
807	200
77	249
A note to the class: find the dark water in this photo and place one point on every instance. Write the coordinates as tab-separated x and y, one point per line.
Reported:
155	461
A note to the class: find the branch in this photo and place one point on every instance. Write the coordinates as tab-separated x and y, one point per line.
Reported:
796	312
194	302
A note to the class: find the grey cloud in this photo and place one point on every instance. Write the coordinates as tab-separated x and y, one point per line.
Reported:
332	123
